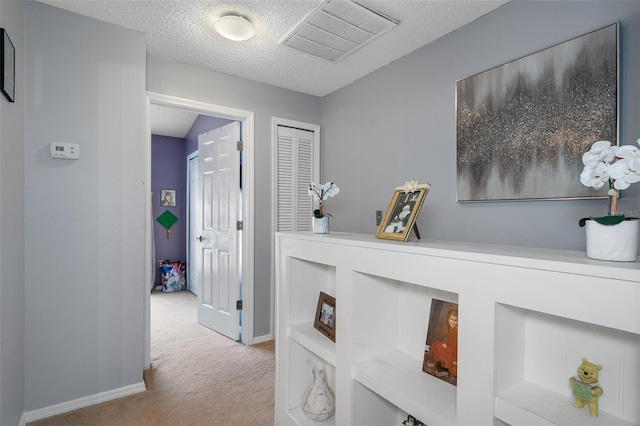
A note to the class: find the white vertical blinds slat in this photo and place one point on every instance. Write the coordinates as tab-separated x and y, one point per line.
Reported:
285	179
305	177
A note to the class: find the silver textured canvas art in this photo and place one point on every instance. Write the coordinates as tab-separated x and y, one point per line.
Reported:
522	127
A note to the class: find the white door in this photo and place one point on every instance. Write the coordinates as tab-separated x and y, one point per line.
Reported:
219	187
192	246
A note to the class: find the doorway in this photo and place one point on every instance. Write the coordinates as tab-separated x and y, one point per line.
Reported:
246	118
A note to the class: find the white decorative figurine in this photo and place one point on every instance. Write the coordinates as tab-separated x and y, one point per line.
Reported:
318	402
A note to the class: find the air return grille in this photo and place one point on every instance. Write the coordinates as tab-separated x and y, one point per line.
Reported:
337	28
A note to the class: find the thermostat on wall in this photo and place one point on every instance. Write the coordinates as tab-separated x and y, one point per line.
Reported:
66	150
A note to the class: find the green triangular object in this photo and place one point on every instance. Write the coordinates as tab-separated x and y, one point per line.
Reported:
167	219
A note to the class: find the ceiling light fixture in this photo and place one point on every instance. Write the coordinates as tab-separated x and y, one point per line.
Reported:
234	27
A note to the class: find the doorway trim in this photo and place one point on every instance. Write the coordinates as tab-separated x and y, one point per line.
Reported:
247	268
190	157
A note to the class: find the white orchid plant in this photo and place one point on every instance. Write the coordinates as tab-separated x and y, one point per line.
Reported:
616	166
321	193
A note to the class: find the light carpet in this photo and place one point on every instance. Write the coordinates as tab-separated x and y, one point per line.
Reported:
197	377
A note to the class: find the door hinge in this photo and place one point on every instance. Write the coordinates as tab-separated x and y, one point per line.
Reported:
239	145
239	225
239	305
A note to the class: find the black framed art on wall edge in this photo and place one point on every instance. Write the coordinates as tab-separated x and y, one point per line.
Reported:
7	66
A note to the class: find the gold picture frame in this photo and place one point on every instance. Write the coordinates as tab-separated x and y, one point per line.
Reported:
400	218
325	320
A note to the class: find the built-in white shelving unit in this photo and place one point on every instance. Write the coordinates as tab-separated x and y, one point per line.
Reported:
527	317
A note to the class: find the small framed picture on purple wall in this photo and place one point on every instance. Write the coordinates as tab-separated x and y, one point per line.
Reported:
168	198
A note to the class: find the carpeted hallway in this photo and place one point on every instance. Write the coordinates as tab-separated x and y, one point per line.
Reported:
197	377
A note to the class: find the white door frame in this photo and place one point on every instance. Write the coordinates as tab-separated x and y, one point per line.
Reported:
248	132
190	157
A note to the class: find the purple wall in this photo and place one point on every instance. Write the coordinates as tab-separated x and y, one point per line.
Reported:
169	171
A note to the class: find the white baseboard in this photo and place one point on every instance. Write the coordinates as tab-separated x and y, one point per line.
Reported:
23	420
262	339
86	401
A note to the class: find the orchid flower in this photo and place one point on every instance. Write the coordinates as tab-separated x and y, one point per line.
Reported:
601	151
321	193
624	172
619	166
596	176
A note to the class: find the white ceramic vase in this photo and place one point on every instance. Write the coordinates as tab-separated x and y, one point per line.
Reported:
612	242
318	401
320	225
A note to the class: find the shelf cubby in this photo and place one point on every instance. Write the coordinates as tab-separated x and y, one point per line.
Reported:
310	278
301	362
306	335
537	353
398	378
391	315
528	404
391	320
373	410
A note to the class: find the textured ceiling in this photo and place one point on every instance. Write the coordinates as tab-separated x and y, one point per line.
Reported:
168	121
181	31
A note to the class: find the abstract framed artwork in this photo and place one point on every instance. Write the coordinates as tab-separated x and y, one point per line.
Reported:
522	127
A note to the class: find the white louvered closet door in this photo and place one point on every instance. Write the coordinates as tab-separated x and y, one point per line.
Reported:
295	170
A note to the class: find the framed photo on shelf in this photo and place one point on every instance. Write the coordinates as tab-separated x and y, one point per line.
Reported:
441	348
168	198
400	217
325	320
8	65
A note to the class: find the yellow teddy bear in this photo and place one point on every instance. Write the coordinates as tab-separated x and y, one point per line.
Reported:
584	386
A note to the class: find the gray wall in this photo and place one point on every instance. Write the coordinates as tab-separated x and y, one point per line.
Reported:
84	219
265	101
12	304
398	124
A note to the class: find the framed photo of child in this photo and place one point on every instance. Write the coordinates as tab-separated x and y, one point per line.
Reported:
402	212
168	198
441	348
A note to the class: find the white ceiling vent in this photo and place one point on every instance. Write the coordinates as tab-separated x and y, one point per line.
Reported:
337	28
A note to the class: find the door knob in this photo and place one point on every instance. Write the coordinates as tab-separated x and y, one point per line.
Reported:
199	238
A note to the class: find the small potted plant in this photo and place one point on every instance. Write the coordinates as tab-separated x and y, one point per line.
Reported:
614	236
320	219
